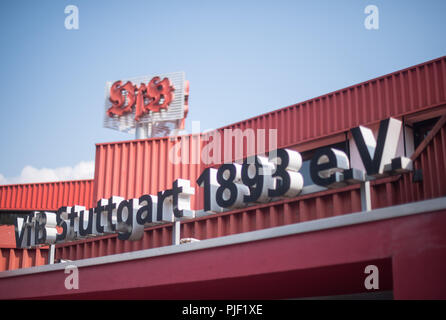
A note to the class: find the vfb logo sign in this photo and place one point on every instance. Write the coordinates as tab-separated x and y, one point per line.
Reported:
156	95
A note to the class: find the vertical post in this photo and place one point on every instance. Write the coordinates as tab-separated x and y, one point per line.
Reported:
347	145
139	131
366	201
51	254
404	136
176	233
148	130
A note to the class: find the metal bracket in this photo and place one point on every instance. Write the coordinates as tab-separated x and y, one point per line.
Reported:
366	201
51	254
176	229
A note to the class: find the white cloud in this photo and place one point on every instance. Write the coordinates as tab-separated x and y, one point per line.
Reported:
3	180
29	174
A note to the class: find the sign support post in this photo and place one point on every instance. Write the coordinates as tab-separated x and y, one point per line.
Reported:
51	254
176	229
366	201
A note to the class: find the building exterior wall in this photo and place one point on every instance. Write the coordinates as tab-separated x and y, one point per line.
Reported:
385	192
300	261
132	168
13	258
45	196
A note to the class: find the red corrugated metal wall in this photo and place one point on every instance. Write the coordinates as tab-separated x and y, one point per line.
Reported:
132	168
399	93
7	237
46	196
11	259
385	192
309	207
37	196
431	161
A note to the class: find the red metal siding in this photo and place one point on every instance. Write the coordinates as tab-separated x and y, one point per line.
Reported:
320	263
385	192
396	94
46	196
431	161
11	258
309	207
7	236
132	168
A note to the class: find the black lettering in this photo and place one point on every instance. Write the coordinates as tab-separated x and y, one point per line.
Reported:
204	180
125	224
109	208
20	235
99	209
371	165
89	229
145	209
226	184
175	192
40	230
316	167
255	184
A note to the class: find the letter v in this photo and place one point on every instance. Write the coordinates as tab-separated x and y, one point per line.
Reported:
383	150
20	231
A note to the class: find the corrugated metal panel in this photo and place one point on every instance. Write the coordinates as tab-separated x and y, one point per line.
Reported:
395	94
7	236
132	168
385	192
431	160
309	207
11	259
46	196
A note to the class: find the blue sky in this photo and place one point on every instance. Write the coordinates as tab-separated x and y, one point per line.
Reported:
242	58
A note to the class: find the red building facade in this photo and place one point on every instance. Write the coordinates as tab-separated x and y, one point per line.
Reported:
316	244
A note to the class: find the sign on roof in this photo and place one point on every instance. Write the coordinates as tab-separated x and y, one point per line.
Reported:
151	105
